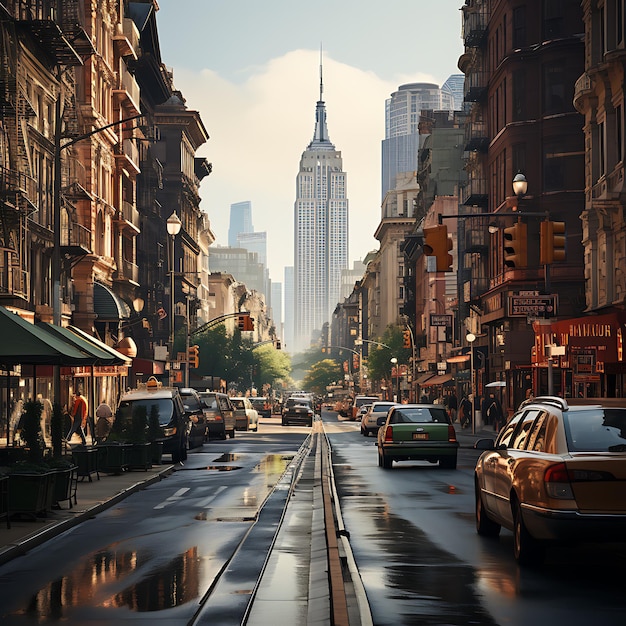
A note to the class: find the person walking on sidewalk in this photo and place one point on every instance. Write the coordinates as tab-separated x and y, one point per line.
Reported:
79	418
494	411
465	412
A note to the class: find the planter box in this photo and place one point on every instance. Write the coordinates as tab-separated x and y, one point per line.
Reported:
113	458
31	494
65	485
86	460
140	457
4	500
156	448
12	454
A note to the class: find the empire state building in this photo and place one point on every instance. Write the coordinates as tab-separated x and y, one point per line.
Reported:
321	232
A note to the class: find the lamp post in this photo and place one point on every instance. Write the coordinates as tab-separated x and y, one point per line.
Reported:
394	363
173	228
471	338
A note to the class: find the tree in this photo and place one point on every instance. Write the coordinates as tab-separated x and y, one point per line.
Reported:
321	375
271	365
379	359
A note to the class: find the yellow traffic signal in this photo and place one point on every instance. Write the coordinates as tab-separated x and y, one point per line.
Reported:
438	244
552	242
193	356
241	322
249	323
516	245
406	338
355	362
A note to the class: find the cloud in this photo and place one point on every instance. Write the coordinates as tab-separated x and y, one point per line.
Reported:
260	127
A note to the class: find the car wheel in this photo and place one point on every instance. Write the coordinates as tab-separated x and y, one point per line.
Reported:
380	460
386	461
485	526
448	462
223	436
527	550
231	433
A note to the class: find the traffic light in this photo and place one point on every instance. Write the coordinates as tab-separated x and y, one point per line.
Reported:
355	362
277	345
406	338
438	244
245	322
193	356
516	245
552	235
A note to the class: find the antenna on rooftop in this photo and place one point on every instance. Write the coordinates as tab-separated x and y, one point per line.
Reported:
321	78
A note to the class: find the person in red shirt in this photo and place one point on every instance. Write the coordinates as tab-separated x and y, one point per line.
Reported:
79	418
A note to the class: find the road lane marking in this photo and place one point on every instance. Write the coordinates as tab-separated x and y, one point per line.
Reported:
176	496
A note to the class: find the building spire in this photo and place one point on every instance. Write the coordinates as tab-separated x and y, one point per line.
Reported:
320	137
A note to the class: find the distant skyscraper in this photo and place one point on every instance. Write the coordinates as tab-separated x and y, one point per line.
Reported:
321	231
454	86
240	221
277	308
254	242
289	297
402	118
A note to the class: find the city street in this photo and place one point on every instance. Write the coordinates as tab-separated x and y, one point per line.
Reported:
194	547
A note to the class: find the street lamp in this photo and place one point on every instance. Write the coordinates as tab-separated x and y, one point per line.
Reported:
394	363
471	338
520	185
173	228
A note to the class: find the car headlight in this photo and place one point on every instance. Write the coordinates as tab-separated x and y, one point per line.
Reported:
168	432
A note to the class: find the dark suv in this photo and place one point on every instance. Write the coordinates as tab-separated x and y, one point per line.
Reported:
196	410
173	419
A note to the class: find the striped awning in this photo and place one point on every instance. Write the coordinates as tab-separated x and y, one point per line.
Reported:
108	306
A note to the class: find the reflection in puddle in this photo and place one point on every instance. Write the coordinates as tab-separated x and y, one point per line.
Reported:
227	458
223	468
273	464
173	584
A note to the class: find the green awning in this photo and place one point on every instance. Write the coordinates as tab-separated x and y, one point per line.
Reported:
88	348
120	359
23	342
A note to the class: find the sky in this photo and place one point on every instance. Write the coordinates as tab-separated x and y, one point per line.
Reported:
251	68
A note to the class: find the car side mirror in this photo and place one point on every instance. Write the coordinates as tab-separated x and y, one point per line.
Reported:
484	444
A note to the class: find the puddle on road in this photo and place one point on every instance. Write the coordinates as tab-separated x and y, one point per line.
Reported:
227	458
95	583
222	468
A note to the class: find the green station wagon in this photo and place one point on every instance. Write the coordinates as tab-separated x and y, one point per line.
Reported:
417	432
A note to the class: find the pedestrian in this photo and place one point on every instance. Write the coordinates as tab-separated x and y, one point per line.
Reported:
465	411
79	418
494	411
104	421
453	405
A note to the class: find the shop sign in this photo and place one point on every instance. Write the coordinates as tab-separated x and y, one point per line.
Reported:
530	305
441	320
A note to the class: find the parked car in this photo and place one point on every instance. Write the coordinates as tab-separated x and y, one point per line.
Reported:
359	401
298	410
220	414
173	419
417	432
374	417
556	472
246	416
263	406
362	411
197	412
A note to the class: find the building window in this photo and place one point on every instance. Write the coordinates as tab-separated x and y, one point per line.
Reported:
554	89
519	27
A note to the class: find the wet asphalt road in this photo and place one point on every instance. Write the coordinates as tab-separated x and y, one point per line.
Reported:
413	538
155	555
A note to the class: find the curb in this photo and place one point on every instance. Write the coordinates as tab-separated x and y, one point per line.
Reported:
21	547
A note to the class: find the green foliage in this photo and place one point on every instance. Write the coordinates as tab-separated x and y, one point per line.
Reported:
379	359
31	430
320	375
139	424
154	429
56	430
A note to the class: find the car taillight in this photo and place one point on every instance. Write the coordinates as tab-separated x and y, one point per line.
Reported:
557	481
389	433
169	432
451	433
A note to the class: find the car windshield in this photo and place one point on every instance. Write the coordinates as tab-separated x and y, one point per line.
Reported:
596	430
191	403
420	416
238	404
215	402
163	406
381	408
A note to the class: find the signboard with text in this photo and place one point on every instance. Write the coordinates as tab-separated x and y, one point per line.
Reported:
532	305
441	320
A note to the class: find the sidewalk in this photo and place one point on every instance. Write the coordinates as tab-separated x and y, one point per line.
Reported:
92	497
467	438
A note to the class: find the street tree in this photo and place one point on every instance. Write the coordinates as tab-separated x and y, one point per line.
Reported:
379	359
321	375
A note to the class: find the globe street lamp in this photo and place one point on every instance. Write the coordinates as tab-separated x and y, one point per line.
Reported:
394	363
173	228
471	338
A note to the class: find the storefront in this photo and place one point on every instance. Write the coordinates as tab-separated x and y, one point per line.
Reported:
593	363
